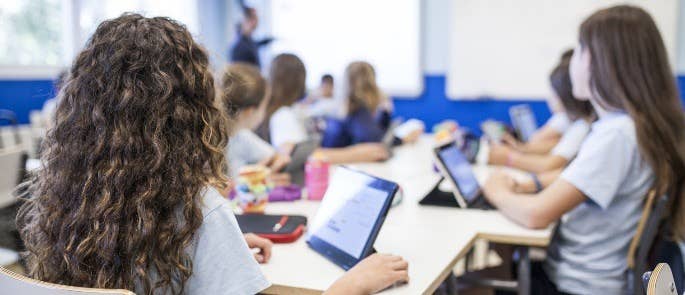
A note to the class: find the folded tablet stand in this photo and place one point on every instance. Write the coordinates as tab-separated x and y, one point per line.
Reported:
436	197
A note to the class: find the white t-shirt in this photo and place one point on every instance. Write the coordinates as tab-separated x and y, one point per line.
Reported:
588	253
285	126
324	107
245	148
559	122
222	262
573	138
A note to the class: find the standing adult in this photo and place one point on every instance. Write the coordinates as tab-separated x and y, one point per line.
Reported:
246	49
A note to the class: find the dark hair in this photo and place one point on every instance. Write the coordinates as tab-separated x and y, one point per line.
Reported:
327	78
287	78
242	87
560	79
630	72
138	136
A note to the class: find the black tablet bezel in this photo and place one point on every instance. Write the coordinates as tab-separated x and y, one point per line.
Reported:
464	201
298	157
340	257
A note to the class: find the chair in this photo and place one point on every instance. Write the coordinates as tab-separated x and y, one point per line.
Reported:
13	283
660	281
12	160
11	117
645	236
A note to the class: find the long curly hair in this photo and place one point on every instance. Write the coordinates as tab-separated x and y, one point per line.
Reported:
138	136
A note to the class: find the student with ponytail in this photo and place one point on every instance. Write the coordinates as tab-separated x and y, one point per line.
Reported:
637	144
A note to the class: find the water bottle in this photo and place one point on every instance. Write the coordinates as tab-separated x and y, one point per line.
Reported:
316	176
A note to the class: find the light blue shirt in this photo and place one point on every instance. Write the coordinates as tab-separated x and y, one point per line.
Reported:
222	262
572	140
245	148
588	254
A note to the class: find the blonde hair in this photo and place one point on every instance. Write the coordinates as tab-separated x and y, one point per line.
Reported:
362	90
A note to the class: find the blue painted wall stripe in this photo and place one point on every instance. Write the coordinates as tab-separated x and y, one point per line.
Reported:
432	106
23	96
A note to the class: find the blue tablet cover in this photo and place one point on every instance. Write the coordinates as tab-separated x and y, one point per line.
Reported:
350	216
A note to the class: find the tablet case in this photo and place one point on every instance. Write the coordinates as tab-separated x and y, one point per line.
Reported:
277	228
436	197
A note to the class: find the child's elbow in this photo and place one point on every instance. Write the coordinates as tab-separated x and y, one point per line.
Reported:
554	163
537	220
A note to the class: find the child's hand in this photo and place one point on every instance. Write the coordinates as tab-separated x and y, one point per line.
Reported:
372	275
511	141
280	179
413	136
264	246
277	162
497	183
499	154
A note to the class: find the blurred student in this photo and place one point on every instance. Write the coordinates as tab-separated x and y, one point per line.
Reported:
245	96
284	127
322	103
545	138
580	112
127	196
637	144
367	109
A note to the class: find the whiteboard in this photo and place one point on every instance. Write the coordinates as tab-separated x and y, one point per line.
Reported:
329	34
506	49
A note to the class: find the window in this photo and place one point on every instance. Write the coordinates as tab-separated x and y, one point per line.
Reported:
39	37
31	33
327	35
92	13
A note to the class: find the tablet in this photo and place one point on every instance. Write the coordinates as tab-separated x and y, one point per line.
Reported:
298	158
350	216
389	137
523	119
457	170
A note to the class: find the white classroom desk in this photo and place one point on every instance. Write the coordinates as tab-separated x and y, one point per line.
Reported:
432	239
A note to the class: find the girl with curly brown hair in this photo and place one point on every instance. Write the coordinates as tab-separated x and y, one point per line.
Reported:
127	196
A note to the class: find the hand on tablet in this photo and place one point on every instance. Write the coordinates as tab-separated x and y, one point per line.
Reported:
511	141
261	244
497	183
280	179
373	274
413	136
277	162
499	154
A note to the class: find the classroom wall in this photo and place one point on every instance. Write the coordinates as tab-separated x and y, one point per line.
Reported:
431	106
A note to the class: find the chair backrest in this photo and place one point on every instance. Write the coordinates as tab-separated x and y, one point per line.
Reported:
11	117
13	283
660	281
647	230
11	160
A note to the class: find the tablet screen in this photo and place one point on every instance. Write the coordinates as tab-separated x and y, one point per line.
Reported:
524	121
460	171
351	212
